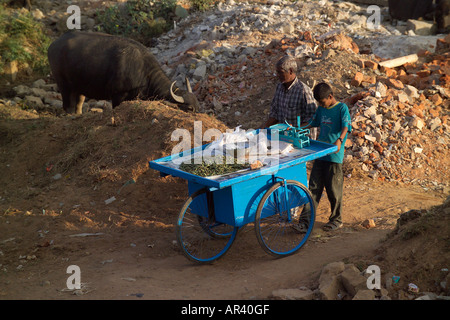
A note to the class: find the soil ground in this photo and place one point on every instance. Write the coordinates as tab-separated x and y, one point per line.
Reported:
57	171
126	249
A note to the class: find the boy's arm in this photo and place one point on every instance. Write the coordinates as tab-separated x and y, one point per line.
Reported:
340	140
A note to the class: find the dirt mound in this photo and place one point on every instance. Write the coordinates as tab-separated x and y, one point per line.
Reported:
416	251
95	151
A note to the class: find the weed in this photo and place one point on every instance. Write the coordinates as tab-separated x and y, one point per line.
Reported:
140	20
203	5
22	39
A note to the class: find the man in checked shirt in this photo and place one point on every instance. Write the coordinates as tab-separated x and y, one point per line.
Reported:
292	97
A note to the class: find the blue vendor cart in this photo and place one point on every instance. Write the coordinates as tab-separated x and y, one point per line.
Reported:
272	198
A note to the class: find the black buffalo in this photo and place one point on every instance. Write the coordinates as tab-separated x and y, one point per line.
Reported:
102	66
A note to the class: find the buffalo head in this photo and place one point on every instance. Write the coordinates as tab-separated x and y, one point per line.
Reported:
187	98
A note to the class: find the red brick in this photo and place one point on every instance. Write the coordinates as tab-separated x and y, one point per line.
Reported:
357	79
371	65
360	63
423	73
396	84
436	99
401	72
434	112
390	73
370	79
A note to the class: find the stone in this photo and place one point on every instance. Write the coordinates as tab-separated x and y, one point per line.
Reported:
436	99
328	54
370	64
21	91
381	88
411	91
33	102
293	294
393	83
40	83
435	123
364	294
200	72
368	223
329	283
420	28
353	280
417	123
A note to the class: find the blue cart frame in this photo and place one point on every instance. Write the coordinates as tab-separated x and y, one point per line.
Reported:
253	196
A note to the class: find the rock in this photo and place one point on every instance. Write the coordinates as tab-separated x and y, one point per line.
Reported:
328	54
287	27
420	28
411	91
293	294
368	223
357	79
329	283
33	102
40	83
21	91
353	280
364	294
200	72
381	88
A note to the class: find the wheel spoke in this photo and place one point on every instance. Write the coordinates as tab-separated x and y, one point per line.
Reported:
279	210
200	240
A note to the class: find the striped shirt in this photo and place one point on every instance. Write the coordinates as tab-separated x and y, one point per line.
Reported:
297	100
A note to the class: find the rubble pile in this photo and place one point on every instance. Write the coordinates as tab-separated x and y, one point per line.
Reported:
400	114
400	123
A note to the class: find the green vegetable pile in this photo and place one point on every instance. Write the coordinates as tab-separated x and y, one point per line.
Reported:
209	167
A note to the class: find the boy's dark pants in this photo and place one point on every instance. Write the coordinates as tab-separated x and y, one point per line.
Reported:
328	175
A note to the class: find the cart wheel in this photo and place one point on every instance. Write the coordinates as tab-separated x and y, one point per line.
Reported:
200	240
278	212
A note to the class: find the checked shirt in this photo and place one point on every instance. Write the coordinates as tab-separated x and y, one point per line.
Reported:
297	100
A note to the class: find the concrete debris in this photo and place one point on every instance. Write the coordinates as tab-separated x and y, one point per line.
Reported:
399	106
341	281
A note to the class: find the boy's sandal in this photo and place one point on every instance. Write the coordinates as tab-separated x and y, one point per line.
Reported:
301	227
332	226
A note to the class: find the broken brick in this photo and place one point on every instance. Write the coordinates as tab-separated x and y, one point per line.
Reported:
360	63
436	99
370	64
396	84
357	79
390	73
423	73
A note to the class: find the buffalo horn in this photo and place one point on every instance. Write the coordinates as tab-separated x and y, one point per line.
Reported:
188	85
178	99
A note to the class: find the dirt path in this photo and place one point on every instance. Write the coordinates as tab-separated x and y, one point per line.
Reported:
142	262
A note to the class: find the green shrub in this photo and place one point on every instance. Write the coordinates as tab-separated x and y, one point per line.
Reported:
22	39
203	5
138	19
